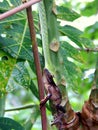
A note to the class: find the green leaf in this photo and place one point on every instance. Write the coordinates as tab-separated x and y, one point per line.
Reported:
34	89
72	71
65	13
70	51
92	31
6	67
19	77
8	4
90	8
9	124
33	78
15	40
76	36
14	33
32	118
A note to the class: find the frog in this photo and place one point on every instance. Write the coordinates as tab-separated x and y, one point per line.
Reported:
52	91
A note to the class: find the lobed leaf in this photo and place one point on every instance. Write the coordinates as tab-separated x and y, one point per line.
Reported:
72	52
65	13
72	71
69	49
19	77
14	33
76	36
15	40
8	4
6	67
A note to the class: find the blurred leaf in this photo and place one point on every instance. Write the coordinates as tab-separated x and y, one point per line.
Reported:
90	8
70	51
14	33
72	71
92	31
30	71
2	105
8	4
83	86
32	118
76	36
15	40
9	124
34	89
33	78
75	61
89	60
65	13
73	54
6	67
19	77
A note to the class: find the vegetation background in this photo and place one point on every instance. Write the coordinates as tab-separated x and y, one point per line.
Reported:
78	35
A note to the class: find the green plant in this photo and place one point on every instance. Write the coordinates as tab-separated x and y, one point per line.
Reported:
65	61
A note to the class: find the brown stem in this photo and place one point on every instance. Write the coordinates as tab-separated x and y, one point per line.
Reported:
88	49
37	65
17	9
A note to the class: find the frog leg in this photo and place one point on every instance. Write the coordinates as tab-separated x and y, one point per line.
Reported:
43	101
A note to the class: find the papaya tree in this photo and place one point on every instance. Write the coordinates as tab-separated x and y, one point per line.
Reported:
37	51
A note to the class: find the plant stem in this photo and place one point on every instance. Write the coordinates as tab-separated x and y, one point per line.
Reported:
37	65
88	49
57	68
20	108
18	9
2	105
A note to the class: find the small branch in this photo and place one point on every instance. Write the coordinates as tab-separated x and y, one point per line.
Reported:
37	65
88	49
20	108
18	9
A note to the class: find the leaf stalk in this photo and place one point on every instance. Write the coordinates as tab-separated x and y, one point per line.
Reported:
37	65
21	108
18	9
